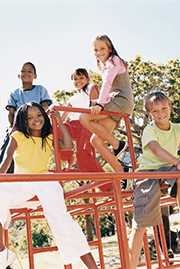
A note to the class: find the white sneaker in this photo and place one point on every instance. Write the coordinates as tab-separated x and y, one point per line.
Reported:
7	257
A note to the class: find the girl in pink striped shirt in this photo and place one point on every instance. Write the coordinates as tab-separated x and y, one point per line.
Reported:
115	95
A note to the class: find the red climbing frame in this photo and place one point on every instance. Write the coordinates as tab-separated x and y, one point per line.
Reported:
114	203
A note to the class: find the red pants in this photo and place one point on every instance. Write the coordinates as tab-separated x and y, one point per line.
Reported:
86	158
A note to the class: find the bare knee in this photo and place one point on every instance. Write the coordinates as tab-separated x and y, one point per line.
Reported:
95	140
84	119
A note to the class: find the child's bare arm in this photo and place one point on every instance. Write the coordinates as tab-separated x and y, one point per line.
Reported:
66	140
65	114
11	114
94	94
8	156
45	105
163	154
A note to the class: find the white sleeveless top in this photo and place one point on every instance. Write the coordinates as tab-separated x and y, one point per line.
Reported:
80	99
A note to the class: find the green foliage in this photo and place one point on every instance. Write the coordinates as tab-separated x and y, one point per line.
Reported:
41	235
147	76
95	78
62	96
107	223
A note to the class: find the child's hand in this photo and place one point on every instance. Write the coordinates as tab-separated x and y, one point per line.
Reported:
96	109
53	112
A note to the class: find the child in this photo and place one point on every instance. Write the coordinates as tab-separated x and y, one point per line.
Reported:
32	136
115	95
87	93
27	93
160	142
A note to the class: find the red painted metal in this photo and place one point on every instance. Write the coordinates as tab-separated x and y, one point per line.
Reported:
114	202
147	252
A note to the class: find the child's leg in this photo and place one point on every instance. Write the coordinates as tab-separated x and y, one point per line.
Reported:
2	244
102	129
7	257
68	235
135	244
66	142
106	153
101	125
89	261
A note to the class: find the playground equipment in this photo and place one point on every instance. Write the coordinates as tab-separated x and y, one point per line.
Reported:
114	201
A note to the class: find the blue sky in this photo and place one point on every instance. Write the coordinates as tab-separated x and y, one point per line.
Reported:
56	35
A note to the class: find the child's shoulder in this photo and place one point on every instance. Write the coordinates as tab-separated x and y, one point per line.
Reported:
20	90
176	128
38	87
91	87
116	62
149	132
16	91
149	127
175	125
17	135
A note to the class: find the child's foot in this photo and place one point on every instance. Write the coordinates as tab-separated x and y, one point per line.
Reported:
7	258
170	254
121	147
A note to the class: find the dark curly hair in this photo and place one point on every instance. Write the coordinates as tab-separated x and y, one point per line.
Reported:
21	121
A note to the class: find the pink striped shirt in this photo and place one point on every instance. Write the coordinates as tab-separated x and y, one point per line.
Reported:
111	69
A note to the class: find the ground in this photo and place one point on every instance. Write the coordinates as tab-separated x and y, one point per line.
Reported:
52	260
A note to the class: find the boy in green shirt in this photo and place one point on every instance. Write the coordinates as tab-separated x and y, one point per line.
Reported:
160	143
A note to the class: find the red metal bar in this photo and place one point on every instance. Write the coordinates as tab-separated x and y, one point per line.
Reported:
29	240
69	266
6	237
98	233
56	144
163	244
116	211
119	206
87	176
147	252
121	228
130	142
157	245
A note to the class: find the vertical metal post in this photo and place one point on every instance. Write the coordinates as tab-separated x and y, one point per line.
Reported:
98	234
146	251
68	266
157	245
121	228
29	240
57	152
130	141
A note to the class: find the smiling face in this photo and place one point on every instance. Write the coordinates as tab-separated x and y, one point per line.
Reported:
102	51
160	113
35	121
27	74
80	81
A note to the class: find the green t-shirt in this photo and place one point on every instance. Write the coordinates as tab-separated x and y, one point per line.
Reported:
168	140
